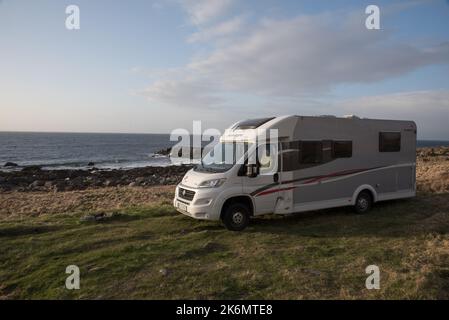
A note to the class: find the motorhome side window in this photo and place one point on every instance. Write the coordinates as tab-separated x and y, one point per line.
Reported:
298	155
311	152
389	141
290	155
342	149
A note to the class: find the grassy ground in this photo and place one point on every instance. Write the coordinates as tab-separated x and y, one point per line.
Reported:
152	252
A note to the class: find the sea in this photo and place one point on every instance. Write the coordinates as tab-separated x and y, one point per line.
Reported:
105	150
77	150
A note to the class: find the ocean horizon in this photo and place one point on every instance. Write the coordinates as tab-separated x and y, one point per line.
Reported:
57	150
70	150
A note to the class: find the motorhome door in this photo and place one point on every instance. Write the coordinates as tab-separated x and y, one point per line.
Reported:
264	187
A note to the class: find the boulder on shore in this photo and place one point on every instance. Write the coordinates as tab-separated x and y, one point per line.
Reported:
164	152
31	169
11	164
33	178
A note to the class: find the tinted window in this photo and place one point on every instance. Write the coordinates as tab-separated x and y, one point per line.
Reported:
327	154
298	155
342	149
290	155
311	152
290	160
389	141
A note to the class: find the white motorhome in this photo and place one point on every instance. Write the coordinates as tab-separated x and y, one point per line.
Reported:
316	163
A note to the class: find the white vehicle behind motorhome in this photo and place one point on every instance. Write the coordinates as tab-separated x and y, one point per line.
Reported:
316	163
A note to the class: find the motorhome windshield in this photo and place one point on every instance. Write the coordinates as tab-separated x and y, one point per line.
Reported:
223	156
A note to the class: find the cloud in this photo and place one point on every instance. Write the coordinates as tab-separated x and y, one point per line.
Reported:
189	94
429	109
305	55
213	33
204	11
312	53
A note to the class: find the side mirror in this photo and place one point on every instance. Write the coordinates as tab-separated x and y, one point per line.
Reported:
252	170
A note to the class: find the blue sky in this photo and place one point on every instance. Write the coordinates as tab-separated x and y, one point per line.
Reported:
153	66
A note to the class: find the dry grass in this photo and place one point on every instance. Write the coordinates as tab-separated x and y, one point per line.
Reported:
13	204
432	175
316	255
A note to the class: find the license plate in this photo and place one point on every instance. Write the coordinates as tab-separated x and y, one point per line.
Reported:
182	206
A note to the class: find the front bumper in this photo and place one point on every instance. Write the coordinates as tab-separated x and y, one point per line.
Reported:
202	206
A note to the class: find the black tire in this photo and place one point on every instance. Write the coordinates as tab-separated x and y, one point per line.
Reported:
236	217
364	202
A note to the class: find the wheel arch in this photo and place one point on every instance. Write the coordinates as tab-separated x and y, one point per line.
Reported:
361	188
242	198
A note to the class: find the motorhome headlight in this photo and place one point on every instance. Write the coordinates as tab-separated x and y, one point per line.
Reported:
211	183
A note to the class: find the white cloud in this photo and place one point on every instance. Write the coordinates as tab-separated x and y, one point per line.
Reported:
429	109
292	65
306	55
205	11
309	54
213	33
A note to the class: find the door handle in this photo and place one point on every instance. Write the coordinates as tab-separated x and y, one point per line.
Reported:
276	177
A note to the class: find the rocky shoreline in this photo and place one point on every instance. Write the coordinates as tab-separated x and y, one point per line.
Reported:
33	178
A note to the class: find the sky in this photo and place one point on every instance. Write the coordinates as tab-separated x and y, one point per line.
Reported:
154	66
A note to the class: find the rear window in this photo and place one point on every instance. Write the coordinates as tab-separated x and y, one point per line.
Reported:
389	141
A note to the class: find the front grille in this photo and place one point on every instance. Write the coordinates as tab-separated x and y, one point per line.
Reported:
186	194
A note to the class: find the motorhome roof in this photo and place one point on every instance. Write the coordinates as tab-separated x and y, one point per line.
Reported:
249	130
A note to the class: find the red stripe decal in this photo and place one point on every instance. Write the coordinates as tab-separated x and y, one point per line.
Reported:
275	190
319	178
335	174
